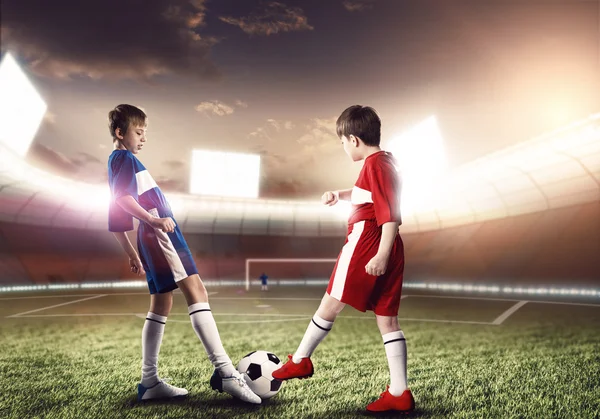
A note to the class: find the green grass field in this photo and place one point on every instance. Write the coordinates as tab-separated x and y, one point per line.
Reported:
69	356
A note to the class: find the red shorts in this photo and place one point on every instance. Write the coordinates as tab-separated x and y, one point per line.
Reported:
351	284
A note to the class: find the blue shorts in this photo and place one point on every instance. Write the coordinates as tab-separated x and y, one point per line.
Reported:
166	258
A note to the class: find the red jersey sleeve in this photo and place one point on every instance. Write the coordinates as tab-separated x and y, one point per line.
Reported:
385	189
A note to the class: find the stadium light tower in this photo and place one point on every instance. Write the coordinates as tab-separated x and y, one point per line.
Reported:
422	162
221	173
21	107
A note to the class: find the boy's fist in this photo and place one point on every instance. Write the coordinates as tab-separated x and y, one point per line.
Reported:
165	224
136	266
330	198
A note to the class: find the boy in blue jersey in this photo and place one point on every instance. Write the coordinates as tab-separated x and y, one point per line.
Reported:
164	258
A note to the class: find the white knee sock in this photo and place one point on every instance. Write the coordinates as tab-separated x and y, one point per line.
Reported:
152	335
395	350
206	329
315	333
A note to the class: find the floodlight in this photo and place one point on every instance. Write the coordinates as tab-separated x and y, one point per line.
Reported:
225	174
422	162
21	107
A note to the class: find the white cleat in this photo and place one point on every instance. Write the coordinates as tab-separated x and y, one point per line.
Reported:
160	390
235	386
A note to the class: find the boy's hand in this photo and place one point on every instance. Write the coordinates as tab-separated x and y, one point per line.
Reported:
165	224
377	265
136	266
330	198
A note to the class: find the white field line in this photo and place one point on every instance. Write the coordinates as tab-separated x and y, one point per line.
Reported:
318	299
57	305
45	296
78	315
502	299
288	317
86	295
267	298
509	312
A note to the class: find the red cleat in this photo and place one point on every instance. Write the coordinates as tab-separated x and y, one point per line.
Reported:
404	403
291	370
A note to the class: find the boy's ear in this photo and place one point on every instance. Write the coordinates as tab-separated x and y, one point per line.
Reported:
354	140
119	133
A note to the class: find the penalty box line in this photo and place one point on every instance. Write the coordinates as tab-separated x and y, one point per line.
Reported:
54	306
27	314
258	317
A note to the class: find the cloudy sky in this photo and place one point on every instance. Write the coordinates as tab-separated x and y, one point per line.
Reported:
271	77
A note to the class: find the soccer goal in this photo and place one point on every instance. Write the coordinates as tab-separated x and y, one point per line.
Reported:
286	269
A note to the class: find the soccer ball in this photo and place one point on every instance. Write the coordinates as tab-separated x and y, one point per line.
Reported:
257	368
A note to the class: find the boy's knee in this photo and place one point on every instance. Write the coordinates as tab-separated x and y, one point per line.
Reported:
193	289
161	304
387	324
330	308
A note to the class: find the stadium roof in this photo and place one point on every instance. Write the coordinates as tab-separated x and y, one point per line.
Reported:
557	169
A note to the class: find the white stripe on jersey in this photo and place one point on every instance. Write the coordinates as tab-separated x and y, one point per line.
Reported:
360	196
341	272
166	245
145	182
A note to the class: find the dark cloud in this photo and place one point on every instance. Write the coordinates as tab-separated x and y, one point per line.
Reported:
82	166
111	39
275	18
357	5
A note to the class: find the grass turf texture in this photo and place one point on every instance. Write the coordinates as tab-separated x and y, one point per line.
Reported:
542	362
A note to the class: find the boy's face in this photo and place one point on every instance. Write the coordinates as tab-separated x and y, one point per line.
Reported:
350	147
134	138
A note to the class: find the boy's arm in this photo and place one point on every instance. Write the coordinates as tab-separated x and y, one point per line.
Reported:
388	234
344	195
129	204
385	188
123	240
135	263
378	264
332	197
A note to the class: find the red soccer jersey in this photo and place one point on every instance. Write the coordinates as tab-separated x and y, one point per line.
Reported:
376	193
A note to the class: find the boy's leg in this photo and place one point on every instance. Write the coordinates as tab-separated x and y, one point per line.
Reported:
152	334
319	327
397	396
226	377
300	365
395	350
151	386
204	324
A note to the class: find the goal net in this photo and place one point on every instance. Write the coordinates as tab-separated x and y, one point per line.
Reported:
289	271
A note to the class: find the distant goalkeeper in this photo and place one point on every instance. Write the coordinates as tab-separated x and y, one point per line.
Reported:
264	284
369	270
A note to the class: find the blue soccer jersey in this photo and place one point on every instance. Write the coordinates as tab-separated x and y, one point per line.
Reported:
165	256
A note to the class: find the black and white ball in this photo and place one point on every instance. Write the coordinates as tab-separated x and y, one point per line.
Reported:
257	368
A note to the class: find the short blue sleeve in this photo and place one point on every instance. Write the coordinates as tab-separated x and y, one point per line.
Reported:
122	181
121	176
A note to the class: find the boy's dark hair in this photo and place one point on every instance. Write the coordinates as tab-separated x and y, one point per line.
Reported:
122	116
362	122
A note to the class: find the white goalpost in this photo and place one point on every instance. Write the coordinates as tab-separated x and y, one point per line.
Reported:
275	260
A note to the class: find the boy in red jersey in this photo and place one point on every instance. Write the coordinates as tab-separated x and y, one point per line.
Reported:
369	270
